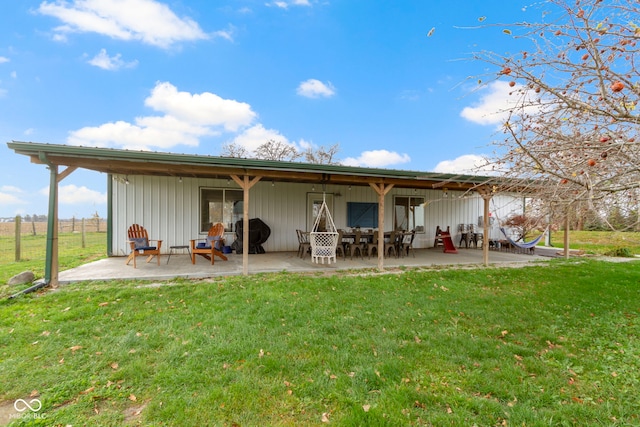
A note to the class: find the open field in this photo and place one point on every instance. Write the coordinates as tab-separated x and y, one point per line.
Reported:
551	344
40	227
600	242
33	253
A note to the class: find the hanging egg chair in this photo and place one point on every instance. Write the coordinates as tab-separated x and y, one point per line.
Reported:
323	237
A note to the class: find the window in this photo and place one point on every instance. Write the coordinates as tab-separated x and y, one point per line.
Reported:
408	213
363	215
225	206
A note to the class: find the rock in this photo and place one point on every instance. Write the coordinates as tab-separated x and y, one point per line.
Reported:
24	277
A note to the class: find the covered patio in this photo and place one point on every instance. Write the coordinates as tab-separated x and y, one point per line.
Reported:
179	266
166	192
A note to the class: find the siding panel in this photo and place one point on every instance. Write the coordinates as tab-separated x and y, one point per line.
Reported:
169	209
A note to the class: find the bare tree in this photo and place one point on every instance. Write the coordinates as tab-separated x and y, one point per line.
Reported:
322	155
571	130
277	150
234	150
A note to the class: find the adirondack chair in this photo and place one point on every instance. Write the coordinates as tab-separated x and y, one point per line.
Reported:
211	246
141	245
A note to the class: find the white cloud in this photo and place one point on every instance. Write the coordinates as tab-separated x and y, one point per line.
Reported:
152	23
377	158
60	38
186	117
313	88
10	189
111	63
224	34
73	195
493	106
14	74
253	137
257	135
138	136
204	109
4	59
468	164
10	199
285	4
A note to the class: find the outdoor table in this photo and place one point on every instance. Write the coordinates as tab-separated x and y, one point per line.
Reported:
175	248
367	237
348	237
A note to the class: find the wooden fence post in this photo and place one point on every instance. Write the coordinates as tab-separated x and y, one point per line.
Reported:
83	235
17	233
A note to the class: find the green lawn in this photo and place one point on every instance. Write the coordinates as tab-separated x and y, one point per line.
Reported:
600	242
33	253
549	344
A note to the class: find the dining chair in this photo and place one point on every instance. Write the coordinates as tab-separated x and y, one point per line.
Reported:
356	245
391	245
304	245
340	245
372	245
407	243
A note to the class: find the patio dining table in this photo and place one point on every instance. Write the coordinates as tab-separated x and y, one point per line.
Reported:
367	237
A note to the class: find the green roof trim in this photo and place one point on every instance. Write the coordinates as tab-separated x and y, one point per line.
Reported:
35	149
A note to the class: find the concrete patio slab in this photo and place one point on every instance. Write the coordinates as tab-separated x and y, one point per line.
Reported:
179	265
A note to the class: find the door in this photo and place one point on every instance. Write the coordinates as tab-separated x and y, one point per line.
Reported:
314	203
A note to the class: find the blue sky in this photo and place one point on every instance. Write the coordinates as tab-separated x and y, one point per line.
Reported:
391	82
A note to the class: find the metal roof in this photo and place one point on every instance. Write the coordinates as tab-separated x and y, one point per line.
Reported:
129	162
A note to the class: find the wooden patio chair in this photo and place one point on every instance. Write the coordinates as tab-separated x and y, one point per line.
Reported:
141	245
211	246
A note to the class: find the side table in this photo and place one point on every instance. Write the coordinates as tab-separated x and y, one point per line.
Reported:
177	247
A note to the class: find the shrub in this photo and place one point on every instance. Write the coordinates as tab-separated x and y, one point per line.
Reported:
620	252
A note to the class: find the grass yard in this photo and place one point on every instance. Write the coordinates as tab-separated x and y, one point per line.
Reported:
600	242
550	344
33	249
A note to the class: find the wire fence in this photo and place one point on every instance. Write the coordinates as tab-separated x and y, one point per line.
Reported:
27	240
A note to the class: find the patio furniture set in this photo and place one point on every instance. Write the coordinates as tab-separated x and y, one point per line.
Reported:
209	247
360	243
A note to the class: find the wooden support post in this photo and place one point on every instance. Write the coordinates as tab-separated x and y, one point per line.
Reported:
381	189
566	233
485	231
18	234
245	184
51	267
486	193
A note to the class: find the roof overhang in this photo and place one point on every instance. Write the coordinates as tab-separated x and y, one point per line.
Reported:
128	162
